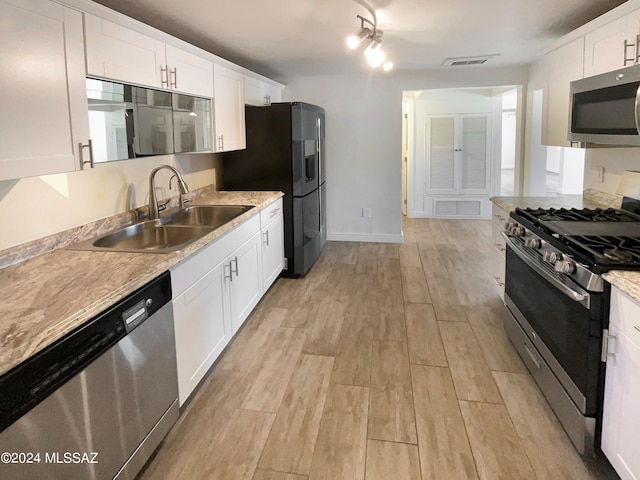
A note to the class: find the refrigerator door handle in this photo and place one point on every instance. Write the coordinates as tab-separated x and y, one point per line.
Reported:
318	152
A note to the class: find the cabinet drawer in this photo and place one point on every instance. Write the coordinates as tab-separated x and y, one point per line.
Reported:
499	216
270	212
499	242
625	315
195	266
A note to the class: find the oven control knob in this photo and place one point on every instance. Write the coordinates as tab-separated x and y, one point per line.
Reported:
565	266
551	257
518	232
508	228
533	243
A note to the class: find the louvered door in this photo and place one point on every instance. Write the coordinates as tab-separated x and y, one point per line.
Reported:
457	153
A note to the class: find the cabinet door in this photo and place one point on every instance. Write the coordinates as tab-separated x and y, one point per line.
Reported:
244	269
458	154
272	251
229	109
475	154
274	93
119	53
44	106
254	92
621	410
259	93
189	73
440	154
562	65
604	49
202	328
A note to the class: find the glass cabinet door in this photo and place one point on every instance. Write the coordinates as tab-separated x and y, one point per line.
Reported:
126	121
191	123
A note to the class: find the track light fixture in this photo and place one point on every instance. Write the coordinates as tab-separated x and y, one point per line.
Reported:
373	52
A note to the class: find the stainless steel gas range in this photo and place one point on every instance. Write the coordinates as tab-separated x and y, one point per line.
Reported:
558	304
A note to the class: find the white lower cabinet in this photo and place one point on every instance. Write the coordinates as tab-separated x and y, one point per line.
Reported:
621	410
202	328
214	291
499	219
272	223
244	279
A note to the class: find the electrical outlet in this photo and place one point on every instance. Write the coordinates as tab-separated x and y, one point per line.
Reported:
601	174
366	213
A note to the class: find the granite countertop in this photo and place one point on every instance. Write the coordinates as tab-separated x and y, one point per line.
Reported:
561	201
626	281
48	296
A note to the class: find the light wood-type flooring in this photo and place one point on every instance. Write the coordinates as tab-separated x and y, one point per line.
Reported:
385	362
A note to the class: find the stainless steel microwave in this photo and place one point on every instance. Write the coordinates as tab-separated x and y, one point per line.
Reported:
604	108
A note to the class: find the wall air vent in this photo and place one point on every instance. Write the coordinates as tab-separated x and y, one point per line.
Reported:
466	61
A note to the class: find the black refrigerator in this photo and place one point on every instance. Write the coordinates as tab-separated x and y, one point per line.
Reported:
285	151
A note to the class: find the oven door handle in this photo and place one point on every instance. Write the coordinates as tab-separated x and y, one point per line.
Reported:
581	296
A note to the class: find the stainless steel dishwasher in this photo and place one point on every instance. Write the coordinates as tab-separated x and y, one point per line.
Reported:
95	404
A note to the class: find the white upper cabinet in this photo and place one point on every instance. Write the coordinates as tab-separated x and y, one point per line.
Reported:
189	73
229	109
562	66
119	53
44	107
259	93
613	46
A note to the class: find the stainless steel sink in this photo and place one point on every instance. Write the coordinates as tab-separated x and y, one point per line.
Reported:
205	215
150	236
167	234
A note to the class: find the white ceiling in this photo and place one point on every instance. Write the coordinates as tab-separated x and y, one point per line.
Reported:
288	38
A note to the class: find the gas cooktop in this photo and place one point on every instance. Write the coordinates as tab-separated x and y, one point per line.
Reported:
602	238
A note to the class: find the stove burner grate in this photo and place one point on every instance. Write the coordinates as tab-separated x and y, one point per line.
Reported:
610	250
581	215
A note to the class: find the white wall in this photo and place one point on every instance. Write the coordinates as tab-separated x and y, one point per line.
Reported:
364	140
615	161
31	208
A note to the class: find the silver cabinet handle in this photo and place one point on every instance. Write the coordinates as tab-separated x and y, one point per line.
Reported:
266	238
164	76
499	281
174	72
637	327
637	48
81	148
605	351
221	143
230	276
235	260
626	59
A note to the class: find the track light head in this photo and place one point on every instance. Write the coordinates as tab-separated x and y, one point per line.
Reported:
354	41
374	54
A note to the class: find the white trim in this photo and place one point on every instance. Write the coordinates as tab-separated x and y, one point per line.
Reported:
365	237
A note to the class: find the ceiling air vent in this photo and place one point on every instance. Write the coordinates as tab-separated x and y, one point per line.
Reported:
466	61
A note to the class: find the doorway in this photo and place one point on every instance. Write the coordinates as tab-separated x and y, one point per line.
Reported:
461	147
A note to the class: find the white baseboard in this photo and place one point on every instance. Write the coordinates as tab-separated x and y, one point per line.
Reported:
364	237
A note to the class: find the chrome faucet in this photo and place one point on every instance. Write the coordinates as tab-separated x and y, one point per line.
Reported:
154	212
